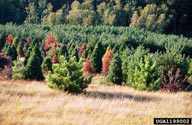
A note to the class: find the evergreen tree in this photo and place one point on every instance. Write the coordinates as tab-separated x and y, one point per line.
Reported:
75	54
115	70
32	14
67	76
33	68
96	57
27	55
146	76
11	52
106	61
38	53
47	65
20	49
87	68
63	51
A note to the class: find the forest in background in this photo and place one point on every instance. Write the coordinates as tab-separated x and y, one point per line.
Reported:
165	16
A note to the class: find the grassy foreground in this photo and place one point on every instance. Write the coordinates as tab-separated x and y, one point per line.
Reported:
32	103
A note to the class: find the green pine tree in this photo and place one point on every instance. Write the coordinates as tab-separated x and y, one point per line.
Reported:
67	76
20	49
115	70
47	65
146	76
27	55
63	51
38	53
11	52
96	57
33	68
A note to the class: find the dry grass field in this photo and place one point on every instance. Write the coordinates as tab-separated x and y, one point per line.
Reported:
33	103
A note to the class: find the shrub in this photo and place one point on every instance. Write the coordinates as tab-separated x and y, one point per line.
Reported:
17	70
67	76
173	81
115	72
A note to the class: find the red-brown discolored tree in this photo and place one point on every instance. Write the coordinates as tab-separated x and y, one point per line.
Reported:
106	61
54	59
10	38
50	41
82	49
87	68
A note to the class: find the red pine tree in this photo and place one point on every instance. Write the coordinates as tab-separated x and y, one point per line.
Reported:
50	41
82	49
87	68
54	59
106	61
10	38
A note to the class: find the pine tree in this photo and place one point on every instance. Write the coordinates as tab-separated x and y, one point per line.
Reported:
87	68
106	61
47	65
63	51
20	47
82	49
33	68
27	55
96	57
10	38
67	76
54	59
11	52
115	70
87	52
38	53
146	76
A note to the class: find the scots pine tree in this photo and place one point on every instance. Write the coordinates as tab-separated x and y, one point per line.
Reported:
20	47
115	70
87	68
106	61
96	57
47	65
146	76
33	68
38	53
27	55
67	75
11	52
63	51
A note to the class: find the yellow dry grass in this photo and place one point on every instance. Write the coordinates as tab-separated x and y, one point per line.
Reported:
33	103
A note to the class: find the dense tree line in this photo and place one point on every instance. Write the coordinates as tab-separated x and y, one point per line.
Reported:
155	15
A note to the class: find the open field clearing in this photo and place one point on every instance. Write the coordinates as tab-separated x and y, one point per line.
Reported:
32	103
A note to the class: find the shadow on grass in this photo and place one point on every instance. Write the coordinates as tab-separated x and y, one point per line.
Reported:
108	95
